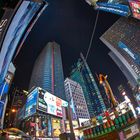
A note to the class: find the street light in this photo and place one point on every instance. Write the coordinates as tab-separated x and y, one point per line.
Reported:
13	110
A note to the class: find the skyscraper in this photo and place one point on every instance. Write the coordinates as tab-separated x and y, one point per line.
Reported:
48	71
105	97
75	96
81	73
122	38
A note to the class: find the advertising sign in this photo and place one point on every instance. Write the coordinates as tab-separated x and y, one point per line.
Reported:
4	22
67	124
133	55
135	7
56	127
114	6
4	87
50	104
15	32
1	110
138	98
31	103
74	116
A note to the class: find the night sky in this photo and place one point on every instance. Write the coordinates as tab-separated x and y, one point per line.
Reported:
70	24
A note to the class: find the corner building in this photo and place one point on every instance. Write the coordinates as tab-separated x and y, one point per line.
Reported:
74	94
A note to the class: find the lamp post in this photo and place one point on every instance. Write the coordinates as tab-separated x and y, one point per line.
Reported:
11	111
70	121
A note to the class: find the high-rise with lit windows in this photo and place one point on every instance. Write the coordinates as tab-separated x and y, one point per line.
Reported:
81	73
122	38
48	71
75	96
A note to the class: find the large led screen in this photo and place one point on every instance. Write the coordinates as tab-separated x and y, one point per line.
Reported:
50	104
4	22
15	32
56	127
135	7
119	7
127	50
31	103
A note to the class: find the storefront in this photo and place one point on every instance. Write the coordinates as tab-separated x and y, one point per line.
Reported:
43	115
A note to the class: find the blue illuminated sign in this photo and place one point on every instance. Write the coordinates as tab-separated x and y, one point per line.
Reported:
31	103
1	109
133	55
4	88
14	34
119	9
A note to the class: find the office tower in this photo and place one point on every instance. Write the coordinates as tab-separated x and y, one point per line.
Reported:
48	71
122	38
75	96
105	97
81	73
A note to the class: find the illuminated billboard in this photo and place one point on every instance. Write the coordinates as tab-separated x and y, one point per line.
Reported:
4	22
31	103
56	127
135	7
119	7
127	50
15	32
50	104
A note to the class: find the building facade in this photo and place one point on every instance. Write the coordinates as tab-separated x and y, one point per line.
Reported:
75	96
122	38
48	71
105	97
15	26
81	73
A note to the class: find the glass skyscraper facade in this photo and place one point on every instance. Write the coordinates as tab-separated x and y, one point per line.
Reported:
81	73
48	71
122	38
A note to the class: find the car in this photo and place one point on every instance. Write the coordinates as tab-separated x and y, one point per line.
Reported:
13	134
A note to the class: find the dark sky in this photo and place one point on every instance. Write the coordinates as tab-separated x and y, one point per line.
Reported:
69	23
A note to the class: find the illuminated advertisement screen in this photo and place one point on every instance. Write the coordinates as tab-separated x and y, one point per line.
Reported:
31	103
1	110
56	127
127	50
135	7
74	116
4	21
119	7
15	32
51	104
4	87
